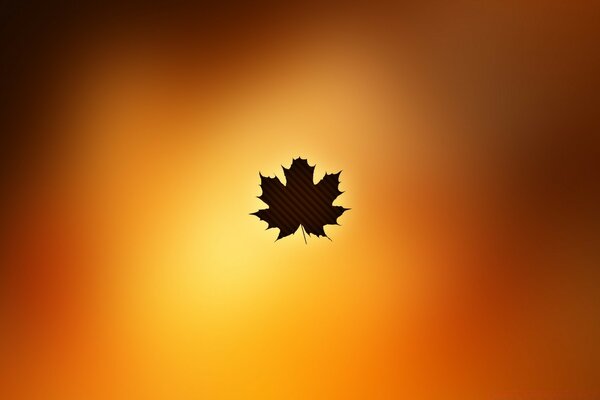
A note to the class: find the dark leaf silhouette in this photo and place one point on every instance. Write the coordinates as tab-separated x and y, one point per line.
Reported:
300	201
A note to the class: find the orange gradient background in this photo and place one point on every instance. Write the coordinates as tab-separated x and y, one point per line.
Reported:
466	268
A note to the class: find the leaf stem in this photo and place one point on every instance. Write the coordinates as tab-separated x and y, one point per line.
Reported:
303	234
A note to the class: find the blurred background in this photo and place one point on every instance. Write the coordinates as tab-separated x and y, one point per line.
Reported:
132	138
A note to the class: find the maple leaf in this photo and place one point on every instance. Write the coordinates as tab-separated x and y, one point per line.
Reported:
300	202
